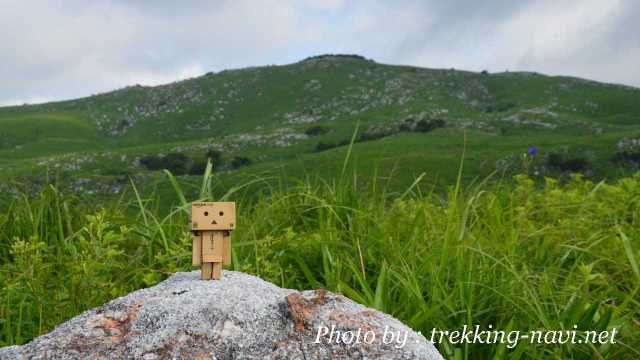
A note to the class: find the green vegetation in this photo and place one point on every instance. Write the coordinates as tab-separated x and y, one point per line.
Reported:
282	117
412	234
240	161
512	255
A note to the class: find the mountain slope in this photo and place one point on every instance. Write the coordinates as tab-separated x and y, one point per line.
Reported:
263	113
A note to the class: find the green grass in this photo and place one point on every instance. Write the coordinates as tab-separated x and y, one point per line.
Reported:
509	254
30	135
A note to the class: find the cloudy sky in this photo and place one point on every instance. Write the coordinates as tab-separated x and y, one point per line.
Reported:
53	50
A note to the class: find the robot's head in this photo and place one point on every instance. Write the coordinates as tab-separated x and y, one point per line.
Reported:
213	216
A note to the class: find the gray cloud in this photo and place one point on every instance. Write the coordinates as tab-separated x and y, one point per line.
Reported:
64	49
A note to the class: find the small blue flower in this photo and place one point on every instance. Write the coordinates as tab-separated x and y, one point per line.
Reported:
532	151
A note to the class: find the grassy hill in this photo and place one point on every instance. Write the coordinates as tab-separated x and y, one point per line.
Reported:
299	116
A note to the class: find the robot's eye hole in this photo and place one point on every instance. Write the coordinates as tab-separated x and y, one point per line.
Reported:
206	213
221	213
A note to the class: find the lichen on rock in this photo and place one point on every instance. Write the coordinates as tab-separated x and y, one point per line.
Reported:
238	317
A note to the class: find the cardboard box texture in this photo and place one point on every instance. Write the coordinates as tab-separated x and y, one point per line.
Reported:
211	226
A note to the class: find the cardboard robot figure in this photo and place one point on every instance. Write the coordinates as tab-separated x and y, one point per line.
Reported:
211	226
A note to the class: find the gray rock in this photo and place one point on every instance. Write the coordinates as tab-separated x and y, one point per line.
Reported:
238	317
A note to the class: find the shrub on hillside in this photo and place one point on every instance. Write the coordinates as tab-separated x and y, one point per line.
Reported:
322	146
177	163
567	162
151	162
421	124
625	157
198	167
427	125
375	134
215	156
240	161
501	106
329	56
316	130
628	153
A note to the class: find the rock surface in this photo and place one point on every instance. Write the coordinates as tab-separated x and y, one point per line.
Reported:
238	317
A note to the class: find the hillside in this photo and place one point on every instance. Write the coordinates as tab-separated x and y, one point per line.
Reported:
298	117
